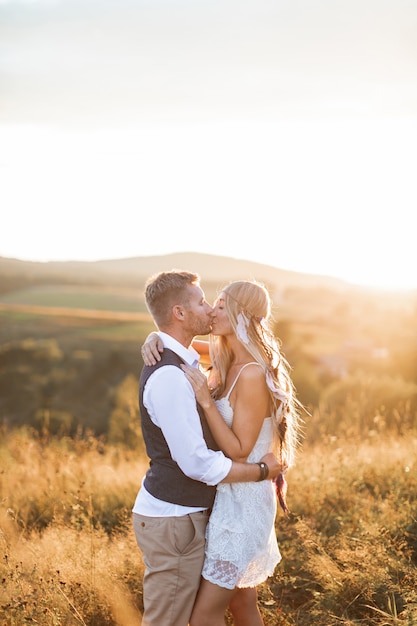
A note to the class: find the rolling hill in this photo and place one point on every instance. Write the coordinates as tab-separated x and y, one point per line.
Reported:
133	272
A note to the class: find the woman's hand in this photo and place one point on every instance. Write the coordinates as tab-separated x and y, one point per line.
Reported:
152	348
199	384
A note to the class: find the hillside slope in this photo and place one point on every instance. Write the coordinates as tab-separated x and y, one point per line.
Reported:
213	269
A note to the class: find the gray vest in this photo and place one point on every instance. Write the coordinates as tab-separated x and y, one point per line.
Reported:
164	478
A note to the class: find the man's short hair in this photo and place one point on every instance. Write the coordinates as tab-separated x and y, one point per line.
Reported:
165	290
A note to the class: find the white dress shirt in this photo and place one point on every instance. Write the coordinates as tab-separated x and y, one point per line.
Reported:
170	401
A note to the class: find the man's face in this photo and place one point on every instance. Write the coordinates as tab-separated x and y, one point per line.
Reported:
198	311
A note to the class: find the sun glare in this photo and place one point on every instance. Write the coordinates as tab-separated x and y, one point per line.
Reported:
258	196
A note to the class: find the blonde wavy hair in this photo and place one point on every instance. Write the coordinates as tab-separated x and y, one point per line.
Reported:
249	303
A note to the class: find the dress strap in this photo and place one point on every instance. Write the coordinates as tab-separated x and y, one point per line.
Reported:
238	374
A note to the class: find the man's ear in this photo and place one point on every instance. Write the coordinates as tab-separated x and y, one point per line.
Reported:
178	312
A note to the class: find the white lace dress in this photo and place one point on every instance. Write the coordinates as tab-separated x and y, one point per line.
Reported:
241	544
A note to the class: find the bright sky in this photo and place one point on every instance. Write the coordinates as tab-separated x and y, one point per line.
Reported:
280	131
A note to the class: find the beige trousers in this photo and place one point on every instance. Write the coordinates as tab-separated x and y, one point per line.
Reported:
173	555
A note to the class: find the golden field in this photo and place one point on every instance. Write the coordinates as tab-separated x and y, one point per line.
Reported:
69	555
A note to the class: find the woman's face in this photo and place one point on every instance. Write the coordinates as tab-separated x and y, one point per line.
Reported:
221	324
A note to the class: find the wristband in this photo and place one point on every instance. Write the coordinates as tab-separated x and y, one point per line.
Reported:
264	471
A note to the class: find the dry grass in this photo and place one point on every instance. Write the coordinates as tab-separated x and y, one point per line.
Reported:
69	555
350	545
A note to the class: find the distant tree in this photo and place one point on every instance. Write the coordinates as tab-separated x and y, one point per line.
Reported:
124	422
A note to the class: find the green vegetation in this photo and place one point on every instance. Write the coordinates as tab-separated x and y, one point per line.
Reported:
100	299
63	372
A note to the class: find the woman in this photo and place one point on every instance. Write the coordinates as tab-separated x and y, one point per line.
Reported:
250	405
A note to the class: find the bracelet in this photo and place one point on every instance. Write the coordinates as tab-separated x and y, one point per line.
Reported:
264	471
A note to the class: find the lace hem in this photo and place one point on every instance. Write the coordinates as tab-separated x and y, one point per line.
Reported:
227	574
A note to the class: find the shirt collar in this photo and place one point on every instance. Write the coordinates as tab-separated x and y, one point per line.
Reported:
189	355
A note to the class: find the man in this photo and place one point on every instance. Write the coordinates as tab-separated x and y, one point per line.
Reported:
172	507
